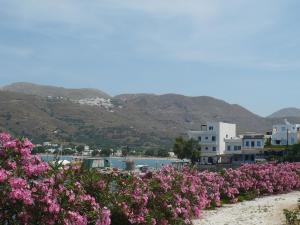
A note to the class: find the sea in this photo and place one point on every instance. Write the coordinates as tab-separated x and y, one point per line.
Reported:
118	162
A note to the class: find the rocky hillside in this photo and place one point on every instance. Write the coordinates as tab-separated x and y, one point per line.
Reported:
287	112
179	113
132	119
55	92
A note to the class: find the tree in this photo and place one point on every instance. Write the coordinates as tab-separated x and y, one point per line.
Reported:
268	142
105	152
150	152
80	148
187	149
179	147
39	149
68	151
125	151
95	153
162	152
293	153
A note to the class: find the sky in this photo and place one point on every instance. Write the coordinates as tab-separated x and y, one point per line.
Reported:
245	52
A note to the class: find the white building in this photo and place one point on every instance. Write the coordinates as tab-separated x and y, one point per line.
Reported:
254	141
286	134
233	145
243	143
212	137
47	143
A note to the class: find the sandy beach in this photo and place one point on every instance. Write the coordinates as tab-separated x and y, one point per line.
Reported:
266	210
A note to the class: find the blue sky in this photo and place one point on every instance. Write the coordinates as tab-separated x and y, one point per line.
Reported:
242	51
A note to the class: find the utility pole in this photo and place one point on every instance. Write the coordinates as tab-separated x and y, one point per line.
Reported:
287	142
287	138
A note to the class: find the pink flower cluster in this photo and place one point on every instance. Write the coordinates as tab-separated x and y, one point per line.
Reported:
169	196
32	193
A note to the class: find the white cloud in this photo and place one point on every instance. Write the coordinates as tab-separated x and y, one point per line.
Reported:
209	31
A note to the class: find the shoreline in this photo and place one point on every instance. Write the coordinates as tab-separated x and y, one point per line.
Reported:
117	157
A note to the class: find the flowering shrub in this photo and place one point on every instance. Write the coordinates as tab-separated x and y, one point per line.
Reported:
31	193
34	192
169	196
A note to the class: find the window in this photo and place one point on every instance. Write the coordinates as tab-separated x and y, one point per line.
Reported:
252	144
292	140
228	148
226	135
199	139
211	128
214	149
239	147
206	138
206	148
236	148
247	144
258	143
213	138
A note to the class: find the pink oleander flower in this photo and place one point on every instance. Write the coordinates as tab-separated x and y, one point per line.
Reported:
22	195
4	137
3	175
74	218
17	183
105	219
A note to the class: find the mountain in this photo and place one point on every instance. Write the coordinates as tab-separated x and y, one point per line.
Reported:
137	120
180	113
60	120
51	91
286	112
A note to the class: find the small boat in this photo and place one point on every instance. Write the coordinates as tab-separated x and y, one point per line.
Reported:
142	168
64	162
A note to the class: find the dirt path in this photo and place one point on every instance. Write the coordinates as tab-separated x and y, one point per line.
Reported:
267	211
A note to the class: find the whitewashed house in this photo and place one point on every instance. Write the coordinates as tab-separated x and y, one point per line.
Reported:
245	148
212	137
244	142
233	145
253	141
286	134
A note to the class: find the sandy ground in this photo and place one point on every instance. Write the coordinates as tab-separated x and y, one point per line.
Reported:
267	211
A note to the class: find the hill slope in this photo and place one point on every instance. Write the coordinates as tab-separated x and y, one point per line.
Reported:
286	112
131	119
180	113
47	91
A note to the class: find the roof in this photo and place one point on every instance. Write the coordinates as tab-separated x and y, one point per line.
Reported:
254	136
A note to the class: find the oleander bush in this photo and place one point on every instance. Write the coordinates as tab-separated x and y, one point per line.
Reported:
34	192
31	192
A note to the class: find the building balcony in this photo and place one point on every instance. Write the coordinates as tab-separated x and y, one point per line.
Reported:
233	152
210	143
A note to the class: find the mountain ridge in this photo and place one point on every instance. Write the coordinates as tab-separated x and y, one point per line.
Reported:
53	91
286	112
124	120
